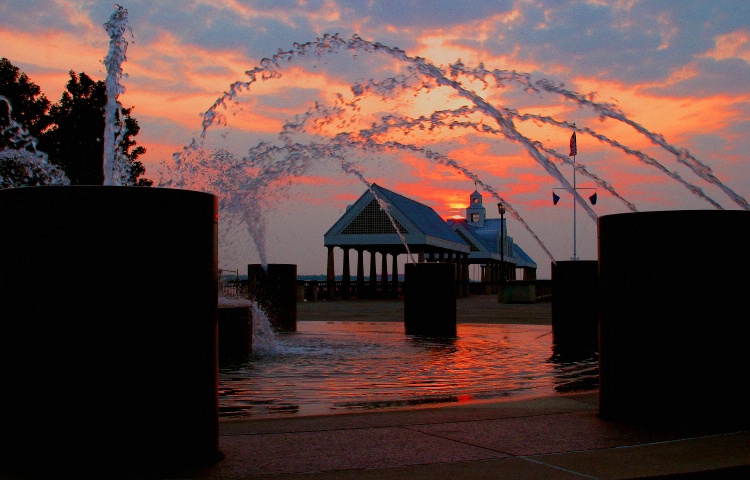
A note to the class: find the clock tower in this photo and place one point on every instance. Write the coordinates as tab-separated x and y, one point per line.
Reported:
475	213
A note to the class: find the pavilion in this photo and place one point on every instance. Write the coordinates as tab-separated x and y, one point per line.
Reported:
383	222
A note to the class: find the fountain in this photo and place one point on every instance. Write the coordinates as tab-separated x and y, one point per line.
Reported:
71	237
247	186
106	334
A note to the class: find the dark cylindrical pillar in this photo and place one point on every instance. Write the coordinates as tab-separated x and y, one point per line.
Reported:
430	299
673	339
108	338
312	294
575	318
235	334
274	289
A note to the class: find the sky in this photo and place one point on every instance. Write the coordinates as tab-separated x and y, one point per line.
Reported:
431	99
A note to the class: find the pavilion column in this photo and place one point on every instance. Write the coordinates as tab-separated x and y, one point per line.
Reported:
459	272
346	277
373	275
360	273
384	274
420	256
495	275
432	255
394	276
465	269
441	257
449	259
490	278
331	275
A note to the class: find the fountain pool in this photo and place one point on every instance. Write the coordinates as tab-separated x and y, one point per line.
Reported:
353	366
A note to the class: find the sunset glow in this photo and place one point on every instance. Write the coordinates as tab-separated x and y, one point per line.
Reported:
678	70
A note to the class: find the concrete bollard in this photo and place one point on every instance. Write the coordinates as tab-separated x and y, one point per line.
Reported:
235	334
274	289
673	339
575	307
108	338
312	295
430	299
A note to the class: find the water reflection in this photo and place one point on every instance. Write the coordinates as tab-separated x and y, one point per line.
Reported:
336	367
575	369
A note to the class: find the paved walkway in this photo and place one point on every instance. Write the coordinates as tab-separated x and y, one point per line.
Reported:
553	438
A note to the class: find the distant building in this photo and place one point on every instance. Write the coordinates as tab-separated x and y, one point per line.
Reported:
383	222
484	237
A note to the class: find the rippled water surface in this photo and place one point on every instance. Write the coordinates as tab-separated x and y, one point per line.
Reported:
336	367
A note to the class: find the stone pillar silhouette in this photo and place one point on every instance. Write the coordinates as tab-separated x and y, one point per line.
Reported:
108	340
274	289
430	299
672	339
575	307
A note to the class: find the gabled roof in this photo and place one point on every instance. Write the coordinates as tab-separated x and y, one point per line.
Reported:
484	242
366	223
525	259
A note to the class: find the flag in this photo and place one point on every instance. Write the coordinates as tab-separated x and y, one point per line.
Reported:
573	146
555	198
592	199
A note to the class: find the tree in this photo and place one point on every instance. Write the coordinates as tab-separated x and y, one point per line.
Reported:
74	141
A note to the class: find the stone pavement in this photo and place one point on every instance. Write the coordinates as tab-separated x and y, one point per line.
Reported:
557	437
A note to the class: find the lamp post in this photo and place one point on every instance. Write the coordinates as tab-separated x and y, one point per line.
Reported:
501	210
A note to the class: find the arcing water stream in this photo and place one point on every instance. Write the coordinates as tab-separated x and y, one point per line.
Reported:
246	184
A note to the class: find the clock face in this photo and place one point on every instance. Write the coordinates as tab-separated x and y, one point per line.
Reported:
476	200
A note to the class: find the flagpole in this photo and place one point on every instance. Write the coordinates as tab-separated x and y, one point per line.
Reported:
555	198
575	243
573	153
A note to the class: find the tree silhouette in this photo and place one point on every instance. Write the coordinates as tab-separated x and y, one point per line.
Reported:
74	141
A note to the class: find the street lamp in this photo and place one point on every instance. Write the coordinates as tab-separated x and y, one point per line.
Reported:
501	210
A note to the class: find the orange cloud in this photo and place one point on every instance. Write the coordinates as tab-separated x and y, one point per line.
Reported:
731	45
